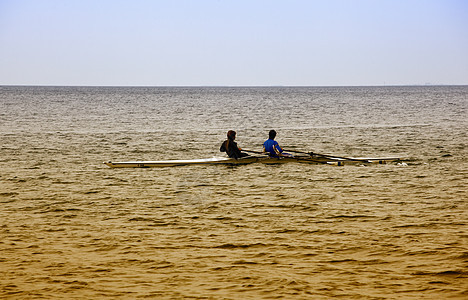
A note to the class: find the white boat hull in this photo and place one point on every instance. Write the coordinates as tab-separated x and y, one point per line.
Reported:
246	160
173	163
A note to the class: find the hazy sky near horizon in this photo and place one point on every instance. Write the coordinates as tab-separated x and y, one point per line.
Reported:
233	43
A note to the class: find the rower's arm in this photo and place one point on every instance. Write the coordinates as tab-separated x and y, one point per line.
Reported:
277	149
223	147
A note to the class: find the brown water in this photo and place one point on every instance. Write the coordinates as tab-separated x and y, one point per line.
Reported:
70	227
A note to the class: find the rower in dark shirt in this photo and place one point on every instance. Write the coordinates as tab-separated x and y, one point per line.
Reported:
230	147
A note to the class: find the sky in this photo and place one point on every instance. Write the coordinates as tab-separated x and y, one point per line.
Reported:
233	42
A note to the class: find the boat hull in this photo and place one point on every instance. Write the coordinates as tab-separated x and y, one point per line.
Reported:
247	160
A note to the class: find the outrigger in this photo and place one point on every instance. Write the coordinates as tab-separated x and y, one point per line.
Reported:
304	157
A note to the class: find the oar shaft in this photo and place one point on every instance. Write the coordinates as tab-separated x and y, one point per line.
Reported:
302	152
329	156
340	157
256	152
290	157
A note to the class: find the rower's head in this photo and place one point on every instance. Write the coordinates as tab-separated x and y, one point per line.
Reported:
272	134
231	134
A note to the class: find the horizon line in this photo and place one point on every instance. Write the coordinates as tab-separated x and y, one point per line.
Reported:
229	86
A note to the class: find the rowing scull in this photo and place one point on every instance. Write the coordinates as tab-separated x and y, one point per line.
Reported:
248	160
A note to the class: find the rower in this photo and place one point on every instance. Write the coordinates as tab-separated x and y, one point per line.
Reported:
230	147
272	147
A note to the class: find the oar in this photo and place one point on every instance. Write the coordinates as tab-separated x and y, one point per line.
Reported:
256	152
266	153
331	156
292	157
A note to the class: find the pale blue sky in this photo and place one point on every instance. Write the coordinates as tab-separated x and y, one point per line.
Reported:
233	43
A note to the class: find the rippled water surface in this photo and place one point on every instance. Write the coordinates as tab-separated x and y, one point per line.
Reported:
70	227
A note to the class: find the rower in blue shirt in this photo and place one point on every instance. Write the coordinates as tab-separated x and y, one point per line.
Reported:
272	147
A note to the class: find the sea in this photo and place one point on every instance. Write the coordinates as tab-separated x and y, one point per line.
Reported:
73	228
